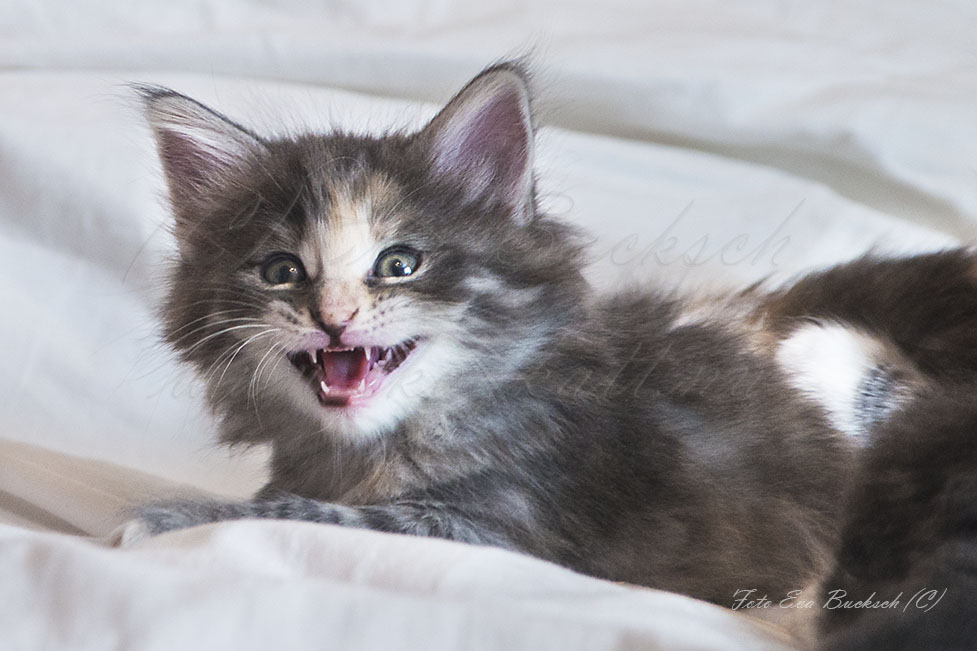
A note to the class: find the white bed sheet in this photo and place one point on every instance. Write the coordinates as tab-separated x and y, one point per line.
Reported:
701	143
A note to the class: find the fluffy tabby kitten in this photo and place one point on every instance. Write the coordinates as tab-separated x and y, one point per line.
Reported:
418	344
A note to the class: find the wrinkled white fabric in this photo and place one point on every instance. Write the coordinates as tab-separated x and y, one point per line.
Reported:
702	143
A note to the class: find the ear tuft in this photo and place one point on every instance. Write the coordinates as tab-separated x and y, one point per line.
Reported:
199	148
483	140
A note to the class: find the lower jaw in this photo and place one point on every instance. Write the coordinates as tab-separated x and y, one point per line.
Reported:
342	399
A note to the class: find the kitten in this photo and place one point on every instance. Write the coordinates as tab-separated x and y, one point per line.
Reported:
418	344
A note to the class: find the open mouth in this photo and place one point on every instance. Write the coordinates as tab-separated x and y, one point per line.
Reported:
341	376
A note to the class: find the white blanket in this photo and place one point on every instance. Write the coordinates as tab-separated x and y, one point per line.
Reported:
702	142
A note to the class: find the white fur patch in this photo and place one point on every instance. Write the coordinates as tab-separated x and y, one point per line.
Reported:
511	296
129	533
828	363
417	378
339	253
343	247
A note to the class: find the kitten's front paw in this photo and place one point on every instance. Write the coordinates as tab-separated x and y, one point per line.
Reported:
154	519
129	533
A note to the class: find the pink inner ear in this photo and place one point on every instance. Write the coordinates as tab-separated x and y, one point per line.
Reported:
186	162
498	134
490	149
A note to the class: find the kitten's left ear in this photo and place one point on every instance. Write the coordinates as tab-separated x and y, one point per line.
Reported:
201	152
483	140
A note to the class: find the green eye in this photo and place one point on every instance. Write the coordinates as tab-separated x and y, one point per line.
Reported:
396	263
282	269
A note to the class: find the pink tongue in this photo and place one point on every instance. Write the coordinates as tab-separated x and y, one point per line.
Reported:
345	369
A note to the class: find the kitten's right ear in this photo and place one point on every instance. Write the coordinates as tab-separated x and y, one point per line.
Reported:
199	148
483	140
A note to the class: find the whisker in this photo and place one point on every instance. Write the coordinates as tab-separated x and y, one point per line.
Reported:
218	324
206	316
278	360
224	331
252	387
239	349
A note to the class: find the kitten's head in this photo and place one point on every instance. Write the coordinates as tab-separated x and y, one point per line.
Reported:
335	284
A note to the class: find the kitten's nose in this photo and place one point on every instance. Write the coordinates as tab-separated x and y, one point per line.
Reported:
334	325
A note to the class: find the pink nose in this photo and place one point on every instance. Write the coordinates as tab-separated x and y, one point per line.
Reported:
335	316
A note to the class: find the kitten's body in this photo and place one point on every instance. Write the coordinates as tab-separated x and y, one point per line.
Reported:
634	437
629	449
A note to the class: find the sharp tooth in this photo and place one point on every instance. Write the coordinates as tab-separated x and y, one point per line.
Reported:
362	386
324	386
311	355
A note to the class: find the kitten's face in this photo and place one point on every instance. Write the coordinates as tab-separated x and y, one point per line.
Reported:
352	311
347	281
